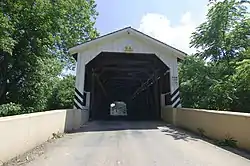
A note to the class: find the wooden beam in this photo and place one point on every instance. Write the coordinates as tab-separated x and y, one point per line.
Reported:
142	86
125	69
122	63
100	83
124	79
129	78
92	95
156	93
151	80
122	85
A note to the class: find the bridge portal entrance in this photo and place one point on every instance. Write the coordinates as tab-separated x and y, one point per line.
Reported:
130	67
136	79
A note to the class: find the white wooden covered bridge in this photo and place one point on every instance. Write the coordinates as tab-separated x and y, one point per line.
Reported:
129	66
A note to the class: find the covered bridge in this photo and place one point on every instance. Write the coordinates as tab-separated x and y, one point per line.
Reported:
126	66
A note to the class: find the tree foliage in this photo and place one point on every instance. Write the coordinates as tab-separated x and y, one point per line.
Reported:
225	33
195	77
218	75
10	109
34	38
63	93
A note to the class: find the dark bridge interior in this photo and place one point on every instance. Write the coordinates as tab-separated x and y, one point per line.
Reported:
136	79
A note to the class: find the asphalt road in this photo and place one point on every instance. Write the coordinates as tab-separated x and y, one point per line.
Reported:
134	144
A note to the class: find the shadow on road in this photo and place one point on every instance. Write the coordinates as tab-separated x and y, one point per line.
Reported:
96	126
178	134
166	129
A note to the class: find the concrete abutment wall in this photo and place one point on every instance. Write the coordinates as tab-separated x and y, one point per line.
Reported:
216	124
22	133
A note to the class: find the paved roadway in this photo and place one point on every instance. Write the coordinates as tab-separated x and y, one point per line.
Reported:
134	144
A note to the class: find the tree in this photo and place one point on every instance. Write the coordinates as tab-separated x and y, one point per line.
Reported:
195	78
63	93
225	33
35	36
242	85
218	78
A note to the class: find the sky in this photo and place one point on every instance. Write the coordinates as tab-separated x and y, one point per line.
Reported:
169	21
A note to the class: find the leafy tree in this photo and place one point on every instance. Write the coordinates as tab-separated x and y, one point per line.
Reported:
38	84
225	32
35	36
242	86
10	109
63	93
195	78
204	86
218	78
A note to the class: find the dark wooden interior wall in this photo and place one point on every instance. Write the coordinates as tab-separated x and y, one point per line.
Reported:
110	80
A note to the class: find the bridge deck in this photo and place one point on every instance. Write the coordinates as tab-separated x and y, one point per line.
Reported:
134	144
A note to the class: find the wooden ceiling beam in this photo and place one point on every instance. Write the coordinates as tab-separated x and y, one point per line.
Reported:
125	63
125	69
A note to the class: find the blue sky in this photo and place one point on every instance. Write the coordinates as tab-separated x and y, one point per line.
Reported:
169	21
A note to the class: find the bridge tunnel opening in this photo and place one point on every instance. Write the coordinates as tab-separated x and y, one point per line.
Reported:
138	80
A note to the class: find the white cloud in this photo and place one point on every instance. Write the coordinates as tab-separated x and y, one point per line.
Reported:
178	36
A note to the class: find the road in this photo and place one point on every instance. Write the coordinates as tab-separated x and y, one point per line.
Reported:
134	144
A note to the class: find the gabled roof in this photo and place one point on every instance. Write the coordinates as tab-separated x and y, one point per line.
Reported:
180	54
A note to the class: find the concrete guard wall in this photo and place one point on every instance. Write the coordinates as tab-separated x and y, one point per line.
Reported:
21	133
216	124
